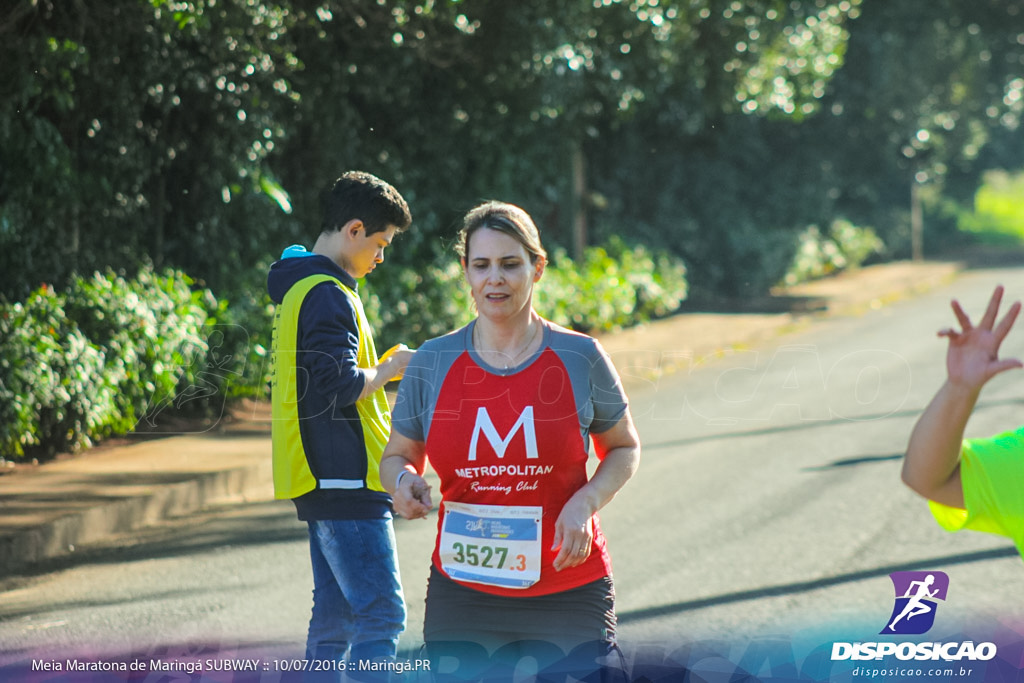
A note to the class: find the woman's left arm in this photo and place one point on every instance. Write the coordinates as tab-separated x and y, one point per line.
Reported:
618	449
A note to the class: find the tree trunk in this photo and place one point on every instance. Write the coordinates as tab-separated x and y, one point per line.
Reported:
579	203
916	222
159	221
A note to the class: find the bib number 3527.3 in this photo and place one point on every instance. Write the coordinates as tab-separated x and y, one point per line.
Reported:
495	545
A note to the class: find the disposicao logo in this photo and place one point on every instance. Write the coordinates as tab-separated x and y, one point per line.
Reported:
917	594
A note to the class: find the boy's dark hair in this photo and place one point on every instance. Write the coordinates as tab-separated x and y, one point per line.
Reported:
363	196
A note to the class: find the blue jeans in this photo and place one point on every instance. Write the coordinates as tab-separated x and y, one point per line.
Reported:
357	592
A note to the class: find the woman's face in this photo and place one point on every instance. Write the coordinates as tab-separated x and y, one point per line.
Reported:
500	274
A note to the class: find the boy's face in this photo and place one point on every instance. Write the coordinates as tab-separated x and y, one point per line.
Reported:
359	253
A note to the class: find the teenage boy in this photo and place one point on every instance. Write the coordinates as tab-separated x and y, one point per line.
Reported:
975	483
331	420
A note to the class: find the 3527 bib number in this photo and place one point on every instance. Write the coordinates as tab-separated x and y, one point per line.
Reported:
489	557
497	545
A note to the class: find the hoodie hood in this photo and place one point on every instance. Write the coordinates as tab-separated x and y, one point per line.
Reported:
296	263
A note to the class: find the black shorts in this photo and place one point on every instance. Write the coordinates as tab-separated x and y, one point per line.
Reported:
566	619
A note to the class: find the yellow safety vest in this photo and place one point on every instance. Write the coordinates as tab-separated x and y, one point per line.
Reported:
292	474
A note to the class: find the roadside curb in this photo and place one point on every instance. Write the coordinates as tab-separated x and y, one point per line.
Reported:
99	496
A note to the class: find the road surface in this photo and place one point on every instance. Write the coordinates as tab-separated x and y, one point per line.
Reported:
767	505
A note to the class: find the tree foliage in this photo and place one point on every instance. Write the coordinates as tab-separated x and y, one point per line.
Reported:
926	90
128	129
198	133
138	136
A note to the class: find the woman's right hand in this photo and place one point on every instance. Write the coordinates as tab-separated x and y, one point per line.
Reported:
412	498
403	458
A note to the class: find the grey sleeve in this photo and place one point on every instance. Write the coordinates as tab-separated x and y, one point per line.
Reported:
419	389
410	405
606	392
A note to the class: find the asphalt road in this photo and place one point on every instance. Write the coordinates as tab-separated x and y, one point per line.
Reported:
768	504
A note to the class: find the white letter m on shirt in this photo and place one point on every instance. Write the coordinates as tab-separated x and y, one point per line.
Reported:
484	425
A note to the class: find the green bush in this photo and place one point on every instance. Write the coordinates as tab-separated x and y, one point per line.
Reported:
593	295
92	361
845	246
658	279
150	329
54	392
614	287
622	285
410	306
997	216
96	359
758	259
238	362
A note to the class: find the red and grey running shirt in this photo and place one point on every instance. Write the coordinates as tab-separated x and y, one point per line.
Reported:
510	447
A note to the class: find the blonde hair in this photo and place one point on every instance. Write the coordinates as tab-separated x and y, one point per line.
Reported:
506	218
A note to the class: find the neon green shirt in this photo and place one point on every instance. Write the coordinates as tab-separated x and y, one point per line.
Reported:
992	475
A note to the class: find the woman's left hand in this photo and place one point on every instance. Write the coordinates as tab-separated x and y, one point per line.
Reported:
574	532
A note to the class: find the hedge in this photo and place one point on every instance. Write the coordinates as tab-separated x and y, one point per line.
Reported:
94	359
90	361
106	352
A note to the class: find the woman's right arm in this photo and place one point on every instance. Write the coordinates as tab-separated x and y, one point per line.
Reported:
404	457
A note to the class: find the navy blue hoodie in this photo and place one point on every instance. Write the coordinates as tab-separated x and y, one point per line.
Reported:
328	384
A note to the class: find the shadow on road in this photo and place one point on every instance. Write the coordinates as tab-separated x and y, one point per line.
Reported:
806	586
853	462
809	424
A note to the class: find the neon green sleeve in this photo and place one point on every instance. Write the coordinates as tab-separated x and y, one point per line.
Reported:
992	474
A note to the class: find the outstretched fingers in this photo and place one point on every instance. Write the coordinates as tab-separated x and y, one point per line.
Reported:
1004	365
1007	322
989	319
961	316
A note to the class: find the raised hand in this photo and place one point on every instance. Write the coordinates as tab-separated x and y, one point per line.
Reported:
973	355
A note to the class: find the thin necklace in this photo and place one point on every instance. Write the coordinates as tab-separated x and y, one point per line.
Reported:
516	357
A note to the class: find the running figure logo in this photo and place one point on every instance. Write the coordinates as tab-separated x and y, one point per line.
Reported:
916	596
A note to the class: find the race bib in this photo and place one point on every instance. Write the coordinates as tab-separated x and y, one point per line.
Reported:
496	545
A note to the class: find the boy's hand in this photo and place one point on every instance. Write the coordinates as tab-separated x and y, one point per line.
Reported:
394	361
973	355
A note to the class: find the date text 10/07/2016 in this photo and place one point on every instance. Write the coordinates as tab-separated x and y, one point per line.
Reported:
192	666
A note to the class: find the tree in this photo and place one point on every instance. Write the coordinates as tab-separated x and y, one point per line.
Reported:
135	125
926	86
186	134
